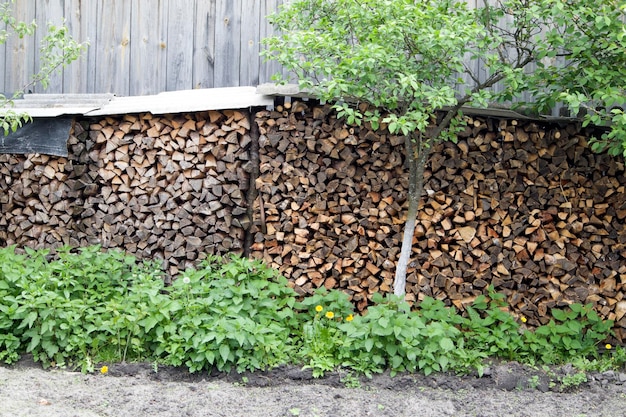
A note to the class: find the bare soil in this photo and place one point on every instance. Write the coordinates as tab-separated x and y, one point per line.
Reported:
138	389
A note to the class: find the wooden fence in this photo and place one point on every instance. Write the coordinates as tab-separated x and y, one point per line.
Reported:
140	47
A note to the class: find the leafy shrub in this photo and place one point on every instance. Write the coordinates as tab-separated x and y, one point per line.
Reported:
88	306
13	268
63	311
492	330
321	337
394	337
577	332
330	300
231	312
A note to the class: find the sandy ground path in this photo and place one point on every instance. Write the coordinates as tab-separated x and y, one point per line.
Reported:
139	391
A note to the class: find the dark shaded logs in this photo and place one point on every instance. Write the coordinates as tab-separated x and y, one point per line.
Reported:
170	188
524	206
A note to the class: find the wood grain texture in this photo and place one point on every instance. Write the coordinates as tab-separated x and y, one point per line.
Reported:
112	47
269	68
227	42
140	47
250	39
204	45
77	17
149	46
20	53
180	34
48	12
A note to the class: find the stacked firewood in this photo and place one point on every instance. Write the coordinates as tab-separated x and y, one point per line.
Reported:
519	205
170	188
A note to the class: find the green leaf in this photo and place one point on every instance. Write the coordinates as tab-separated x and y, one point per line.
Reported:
446	344
443	361
30	319
559	315
149	322
34	343
396	362
224	352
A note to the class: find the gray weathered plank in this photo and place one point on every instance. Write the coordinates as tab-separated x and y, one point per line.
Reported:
204	45
20	53
112	47
180	35
227	43
140	47
48	12
88	77
2	63
148	47
268	69
250	38
77	18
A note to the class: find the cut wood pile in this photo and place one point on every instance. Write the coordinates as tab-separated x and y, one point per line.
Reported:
519	205
170	188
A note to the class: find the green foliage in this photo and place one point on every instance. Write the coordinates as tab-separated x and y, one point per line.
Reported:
436	338
87	306
63	311
573	380
57	49
401	57
236	314
405	58
321	315
490	329
391	336
577	332
333	300
581	63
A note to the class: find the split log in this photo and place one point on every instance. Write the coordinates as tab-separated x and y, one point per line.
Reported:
170	188
523	207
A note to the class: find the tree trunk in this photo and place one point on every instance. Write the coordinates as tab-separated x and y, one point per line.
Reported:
252	190
417	154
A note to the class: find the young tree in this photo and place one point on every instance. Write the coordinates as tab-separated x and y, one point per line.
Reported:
57	50
412	62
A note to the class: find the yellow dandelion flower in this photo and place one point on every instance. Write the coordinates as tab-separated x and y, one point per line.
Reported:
104	369
330	315
523	319
608	346
350	317
319	308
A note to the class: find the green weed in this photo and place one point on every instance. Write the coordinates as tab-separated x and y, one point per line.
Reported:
89	306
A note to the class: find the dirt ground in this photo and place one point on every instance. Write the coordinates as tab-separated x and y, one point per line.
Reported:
141	390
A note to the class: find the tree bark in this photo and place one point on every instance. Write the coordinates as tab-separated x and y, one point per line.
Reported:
252	190
417	149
